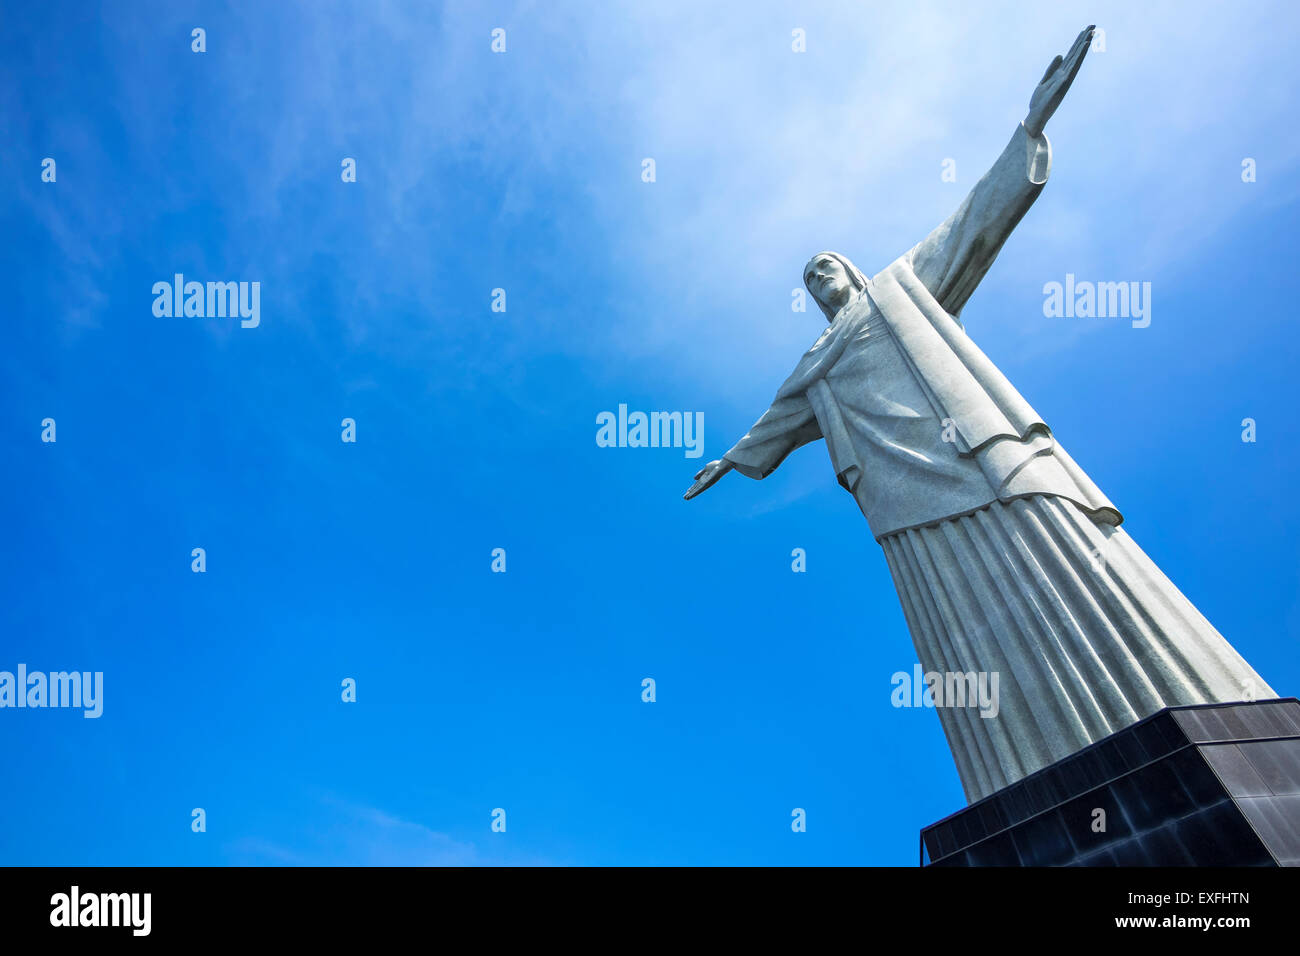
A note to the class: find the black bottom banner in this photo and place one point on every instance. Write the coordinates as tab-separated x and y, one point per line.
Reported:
91	905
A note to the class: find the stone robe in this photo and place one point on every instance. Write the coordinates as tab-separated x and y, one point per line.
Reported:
1006	556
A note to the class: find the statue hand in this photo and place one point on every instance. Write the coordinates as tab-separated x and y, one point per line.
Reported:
707	476
1056	81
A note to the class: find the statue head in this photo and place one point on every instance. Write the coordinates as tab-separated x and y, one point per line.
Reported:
833	280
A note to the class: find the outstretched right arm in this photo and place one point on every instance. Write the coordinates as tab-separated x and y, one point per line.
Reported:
953	259
788	424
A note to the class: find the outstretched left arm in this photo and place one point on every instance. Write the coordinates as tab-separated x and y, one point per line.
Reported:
955	257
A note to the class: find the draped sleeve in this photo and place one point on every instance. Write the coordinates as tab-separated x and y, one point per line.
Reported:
953	259
788	424
791	420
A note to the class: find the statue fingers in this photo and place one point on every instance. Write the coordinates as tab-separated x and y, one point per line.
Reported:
1072	66
1051	68
1082	45
1080	49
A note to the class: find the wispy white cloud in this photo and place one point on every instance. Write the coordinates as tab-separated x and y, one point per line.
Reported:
763	157
766	156
348	834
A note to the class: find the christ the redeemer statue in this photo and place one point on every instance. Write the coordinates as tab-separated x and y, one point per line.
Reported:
1006	556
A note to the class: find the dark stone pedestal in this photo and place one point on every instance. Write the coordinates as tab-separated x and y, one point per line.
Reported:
1209	785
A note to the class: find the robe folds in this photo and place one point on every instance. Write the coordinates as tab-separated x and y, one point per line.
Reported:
920	424
1006	556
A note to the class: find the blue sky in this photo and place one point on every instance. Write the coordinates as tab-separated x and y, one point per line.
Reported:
476	429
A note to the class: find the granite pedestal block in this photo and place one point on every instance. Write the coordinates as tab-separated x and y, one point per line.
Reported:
1207	785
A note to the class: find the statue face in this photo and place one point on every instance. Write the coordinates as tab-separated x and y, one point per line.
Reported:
828	281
